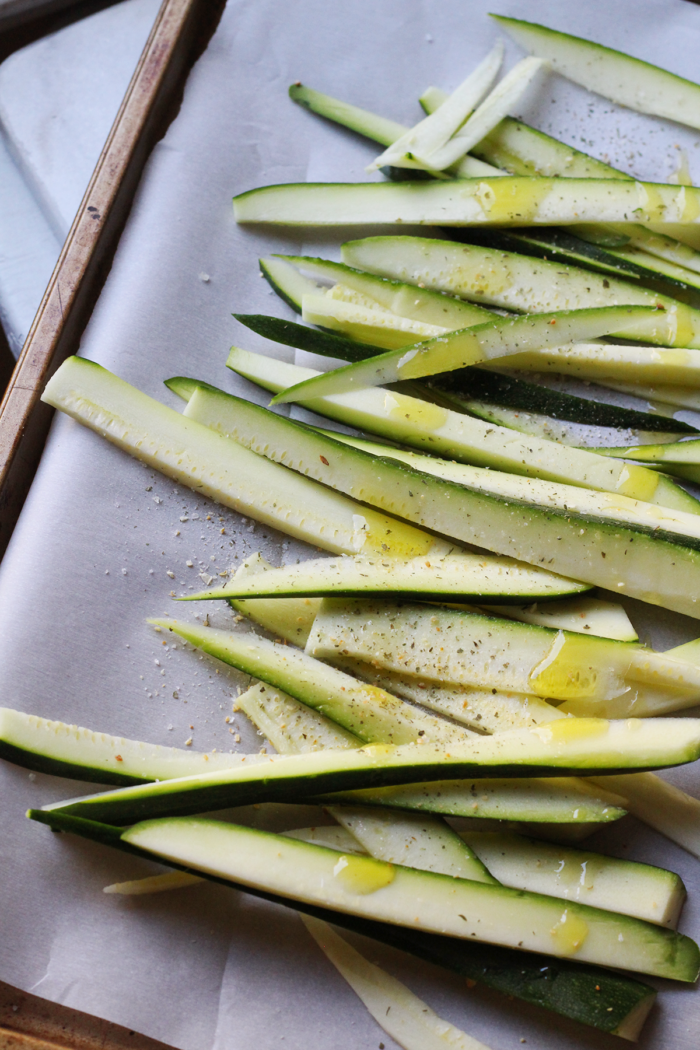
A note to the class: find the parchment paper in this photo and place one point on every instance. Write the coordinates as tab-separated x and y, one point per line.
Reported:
99	534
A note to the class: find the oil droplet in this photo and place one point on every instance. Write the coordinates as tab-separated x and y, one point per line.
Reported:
362	875
684	334
688	204
454	350
569	933
572	670
411	410
564	730
637	482
374	534
651	207
513	200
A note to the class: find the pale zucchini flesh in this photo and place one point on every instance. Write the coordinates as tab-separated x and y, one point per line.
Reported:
496	340
84	754
466	648
628	887
554	802
432	428
472	390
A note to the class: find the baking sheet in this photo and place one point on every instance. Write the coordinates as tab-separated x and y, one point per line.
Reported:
90	557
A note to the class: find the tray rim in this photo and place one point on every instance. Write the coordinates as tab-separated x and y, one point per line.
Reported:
180	31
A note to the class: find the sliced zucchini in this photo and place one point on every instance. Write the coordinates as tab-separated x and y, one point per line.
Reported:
510	281
291	727
608	362
590	616
643	562
242	421
401	298
83	754
554	802
418	144
289	619
420	841
400	1013
377	890
679	453
593	746
613	74
623	886
494	340
474	390
661	805
466	648
400	417
628	887
465	576
487	710
171	880
477	390
195	456
608	1001
364	323
511	200
360	120
367	712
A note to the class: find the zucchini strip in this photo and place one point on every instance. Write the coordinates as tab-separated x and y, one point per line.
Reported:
628	81
455	436
401	1014
568	746
501	200
467	391
533	491
375	889
627	887
463	576
465	648
171	880
510	281
419	143
72	751
370	713
195	456
550	803
495	340
657	570
609	1001
399	297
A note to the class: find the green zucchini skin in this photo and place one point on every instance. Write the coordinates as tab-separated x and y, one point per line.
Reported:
459	577
468	384
588	994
